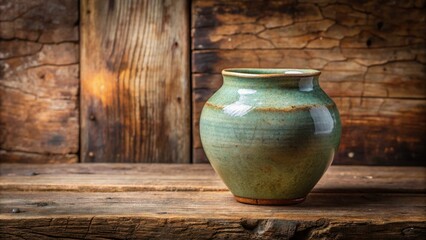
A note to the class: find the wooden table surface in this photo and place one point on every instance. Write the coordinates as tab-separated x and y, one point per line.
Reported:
164	201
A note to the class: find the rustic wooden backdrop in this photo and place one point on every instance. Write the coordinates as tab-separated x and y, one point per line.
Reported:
371	54
135	91
105	81
39	81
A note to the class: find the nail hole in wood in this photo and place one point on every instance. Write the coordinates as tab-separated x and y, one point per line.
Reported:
369	42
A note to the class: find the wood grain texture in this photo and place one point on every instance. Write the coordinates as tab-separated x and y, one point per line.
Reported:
372	63
209	215
39	81
367	124
198	177
135	93
352	202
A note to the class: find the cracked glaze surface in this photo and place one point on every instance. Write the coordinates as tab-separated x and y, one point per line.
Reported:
270	136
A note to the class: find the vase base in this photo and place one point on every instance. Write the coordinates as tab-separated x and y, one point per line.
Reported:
269	201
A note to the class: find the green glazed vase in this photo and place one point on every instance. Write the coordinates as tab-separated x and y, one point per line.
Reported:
270	134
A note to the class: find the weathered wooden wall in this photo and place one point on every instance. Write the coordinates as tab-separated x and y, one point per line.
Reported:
372	55
135	84
39	81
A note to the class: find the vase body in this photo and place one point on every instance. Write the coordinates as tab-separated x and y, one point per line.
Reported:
270	134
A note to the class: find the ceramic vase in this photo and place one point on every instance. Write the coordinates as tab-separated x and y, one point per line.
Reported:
270	134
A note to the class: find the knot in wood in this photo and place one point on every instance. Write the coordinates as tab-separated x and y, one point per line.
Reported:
16	210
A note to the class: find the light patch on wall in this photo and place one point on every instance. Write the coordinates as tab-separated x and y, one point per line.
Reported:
100	86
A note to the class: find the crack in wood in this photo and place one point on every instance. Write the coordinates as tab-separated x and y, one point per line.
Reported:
39	81
351	69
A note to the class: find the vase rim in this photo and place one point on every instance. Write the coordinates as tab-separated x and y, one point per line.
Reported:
270	72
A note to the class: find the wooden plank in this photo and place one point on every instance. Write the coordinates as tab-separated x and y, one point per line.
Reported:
212	204
135	100
110	178
367	58
371	132
297	25
208	215
198	177
73	201
342	71
39	81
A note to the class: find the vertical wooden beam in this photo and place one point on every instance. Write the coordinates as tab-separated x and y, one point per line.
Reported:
135	90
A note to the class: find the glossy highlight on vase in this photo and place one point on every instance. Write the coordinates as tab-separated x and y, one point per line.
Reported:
270	134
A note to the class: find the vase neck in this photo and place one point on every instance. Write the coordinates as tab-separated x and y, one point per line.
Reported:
301	83
253	78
